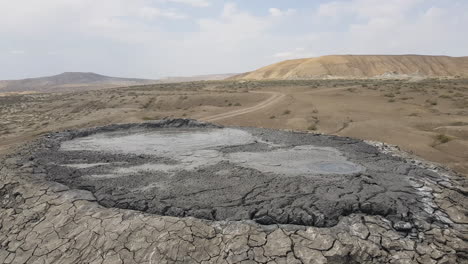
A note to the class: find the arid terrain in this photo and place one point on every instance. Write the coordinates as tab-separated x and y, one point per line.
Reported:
233	132
68	82
428	118
83	81
182	191
362	66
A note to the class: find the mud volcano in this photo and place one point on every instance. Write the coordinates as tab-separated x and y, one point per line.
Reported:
185	168
181	191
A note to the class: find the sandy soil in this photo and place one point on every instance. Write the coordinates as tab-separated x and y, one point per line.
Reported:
428	118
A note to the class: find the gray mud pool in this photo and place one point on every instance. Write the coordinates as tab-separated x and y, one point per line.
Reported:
217	173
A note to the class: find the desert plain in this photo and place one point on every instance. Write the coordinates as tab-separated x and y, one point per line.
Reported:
428	118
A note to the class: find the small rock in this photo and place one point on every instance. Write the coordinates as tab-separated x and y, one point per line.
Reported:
403	226
278	244
77	195
12	162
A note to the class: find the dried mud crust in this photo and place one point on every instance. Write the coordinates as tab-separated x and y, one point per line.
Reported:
43	221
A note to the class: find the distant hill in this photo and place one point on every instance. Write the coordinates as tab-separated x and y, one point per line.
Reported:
362	66
79	81
69	81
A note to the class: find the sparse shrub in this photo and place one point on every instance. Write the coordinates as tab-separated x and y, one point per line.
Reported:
237	104
286	112
442	139
150	118
462	103
459	123
149	103
431	101
272	117
389	95
391	100
413	114
312	127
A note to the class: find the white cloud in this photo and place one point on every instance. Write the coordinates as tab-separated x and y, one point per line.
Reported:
294	54
150	38
232	26
394	27
276	12
152	13
195	3
17	52
229	10
367	8
48	15
120	20
231	42
283	54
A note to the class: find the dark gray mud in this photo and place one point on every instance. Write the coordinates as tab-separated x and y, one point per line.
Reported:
184	168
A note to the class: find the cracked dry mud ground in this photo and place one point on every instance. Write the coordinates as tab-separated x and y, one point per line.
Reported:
242	195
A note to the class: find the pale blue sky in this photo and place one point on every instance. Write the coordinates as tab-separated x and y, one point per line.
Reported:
157	38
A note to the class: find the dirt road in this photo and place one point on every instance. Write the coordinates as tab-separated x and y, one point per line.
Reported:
275	98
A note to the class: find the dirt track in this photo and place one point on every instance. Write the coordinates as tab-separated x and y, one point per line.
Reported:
274	99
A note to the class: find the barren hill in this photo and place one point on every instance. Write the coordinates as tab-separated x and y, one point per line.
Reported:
69	81
362	66
79	81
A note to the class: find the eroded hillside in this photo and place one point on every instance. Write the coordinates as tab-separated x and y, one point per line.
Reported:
363	66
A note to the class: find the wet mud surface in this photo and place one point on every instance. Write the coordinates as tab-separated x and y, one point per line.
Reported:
214	173
199	193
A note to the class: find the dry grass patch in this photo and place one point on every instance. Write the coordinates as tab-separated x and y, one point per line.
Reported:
441	139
